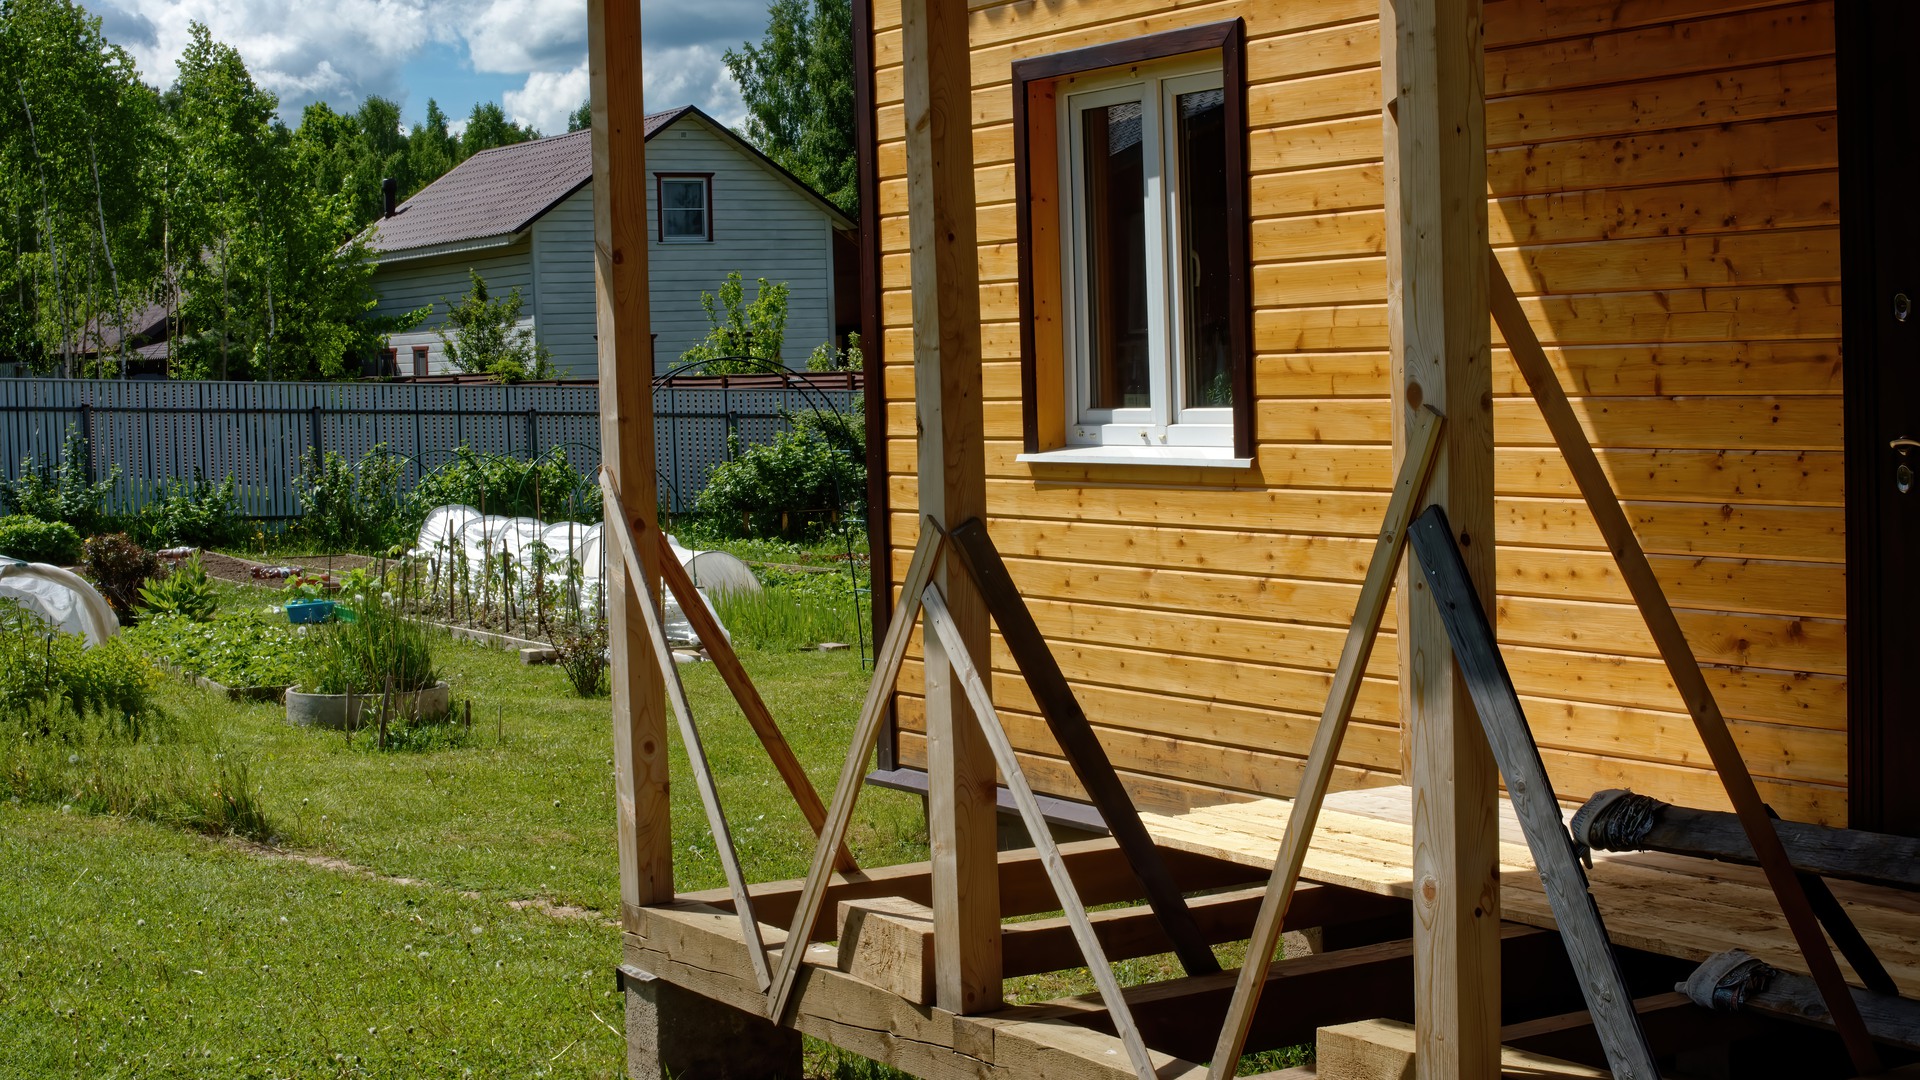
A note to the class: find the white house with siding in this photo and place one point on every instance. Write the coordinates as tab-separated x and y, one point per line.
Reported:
522	216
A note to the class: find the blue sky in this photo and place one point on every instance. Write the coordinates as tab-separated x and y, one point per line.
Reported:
528	55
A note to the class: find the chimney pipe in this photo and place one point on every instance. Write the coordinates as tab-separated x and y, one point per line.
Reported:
389	192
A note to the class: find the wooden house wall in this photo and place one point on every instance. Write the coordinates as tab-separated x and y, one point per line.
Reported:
1663	192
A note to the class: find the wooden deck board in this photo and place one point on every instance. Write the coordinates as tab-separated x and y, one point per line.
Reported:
1688	908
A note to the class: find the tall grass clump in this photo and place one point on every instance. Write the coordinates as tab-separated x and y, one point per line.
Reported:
79	729
793	610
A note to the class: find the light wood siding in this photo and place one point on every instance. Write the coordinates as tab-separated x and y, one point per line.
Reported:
563	276
762	227
1664	196
409	286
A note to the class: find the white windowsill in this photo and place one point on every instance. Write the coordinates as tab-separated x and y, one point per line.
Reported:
1205	457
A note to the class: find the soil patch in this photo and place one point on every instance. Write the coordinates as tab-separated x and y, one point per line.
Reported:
242	571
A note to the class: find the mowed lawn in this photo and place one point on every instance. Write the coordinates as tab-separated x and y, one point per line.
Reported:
424	914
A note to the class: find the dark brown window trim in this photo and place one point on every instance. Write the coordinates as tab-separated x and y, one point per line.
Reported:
660	204
1229	38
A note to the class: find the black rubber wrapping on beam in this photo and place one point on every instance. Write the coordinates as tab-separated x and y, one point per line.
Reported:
1082	748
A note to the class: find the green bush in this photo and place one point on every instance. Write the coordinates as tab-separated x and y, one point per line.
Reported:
185	592
548	487
582	650
61	492
39	541
118	567
198	513
40	667
807	479
347	507
737	328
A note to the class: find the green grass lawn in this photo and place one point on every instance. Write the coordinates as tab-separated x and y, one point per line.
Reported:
131	949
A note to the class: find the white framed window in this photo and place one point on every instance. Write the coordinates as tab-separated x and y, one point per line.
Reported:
1148	335
686	208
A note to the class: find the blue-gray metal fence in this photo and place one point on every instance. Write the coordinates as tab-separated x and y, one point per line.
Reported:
145	433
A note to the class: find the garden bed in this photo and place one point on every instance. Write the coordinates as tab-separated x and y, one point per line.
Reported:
246	652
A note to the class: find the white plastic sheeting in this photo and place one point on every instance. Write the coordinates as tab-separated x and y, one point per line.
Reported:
460	543
64	599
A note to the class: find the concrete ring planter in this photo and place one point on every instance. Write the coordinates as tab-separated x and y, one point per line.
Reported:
341	712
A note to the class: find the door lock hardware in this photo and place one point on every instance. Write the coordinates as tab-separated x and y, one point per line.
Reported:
1902	307
1904	444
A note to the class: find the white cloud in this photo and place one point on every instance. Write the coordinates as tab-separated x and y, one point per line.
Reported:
342	51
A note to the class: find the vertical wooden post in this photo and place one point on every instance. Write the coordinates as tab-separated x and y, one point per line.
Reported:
1433	91
626	439
961	811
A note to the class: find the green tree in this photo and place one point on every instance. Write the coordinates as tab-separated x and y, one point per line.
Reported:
432	148
798	87
581	118
738	330
484	335
488	127
79	134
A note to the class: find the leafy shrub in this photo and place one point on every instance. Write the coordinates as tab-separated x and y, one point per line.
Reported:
737	328
199	513
804	480
378	643
827	357
39	541
484	336
351	508
241	645
40	666
185	592
582	650
61	492
119	567
549	487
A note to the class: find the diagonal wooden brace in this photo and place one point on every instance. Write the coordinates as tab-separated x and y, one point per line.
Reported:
1611	518
1070	728
623	528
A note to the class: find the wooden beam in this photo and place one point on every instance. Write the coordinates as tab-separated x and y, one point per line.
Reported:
622	524
1068	723
620	231
1611	519
888	942
962	811
1763	988
1436	197
1047	944
1386	1050
866	732
720	650
1477	654
1423	442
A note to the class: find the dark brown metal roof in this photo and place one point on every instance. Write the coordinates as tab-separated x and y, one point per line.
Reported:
496	192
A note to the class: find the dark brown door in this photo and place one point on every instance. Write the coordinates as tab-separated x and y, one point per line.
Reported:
1880	252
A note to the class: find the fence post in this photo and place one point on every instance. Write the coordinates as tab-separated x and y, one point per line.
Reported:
313	432
86	435
533	433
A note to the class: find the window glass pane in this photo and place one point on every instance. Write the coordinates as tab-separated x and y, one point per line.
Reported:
685	194
1116	266
1201	142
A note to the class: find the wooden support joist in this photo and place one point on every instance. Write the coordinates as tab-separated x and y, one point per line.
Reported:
623	526
1068	723
1099	870
1735	981
1385	1050
1301	995
1671	1020
1423	441
1477	655
621	229
1611	519
1047	944
720	650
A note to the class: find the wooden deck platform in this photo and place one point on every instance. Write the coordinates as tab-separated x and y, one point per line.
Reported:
1680	907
